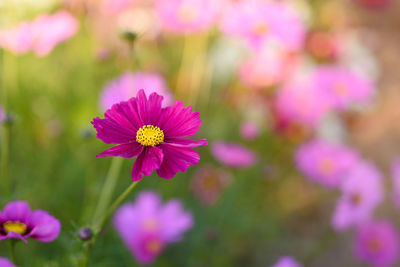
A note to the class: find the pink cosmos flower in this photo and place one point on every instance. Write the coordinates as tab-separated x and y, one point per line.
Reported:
17	221
249	130
377	243
396	181
147	226
6	262
287	261
115	6
129	84
257	74
187	16
232	154
155	135
208	184
325	46
299	102
362	192
342	87
40	35
259	22
325	163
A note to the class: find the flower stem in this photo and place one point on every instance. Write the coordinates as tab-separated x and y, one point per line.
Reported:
99	227
108	188
12	250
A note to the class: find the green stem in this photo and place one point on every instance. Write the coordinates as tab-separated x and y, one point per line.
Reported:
108	188
12	250
99	227
5	140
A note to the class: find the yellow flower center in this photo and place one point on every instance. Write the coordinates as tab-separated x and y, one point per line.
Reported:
16	227
341	89
327	166
150	135
261	28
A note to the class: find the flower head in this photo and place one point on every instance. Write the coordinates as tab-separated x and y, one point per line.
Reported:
17	221
377	243
4	262
342	87
249	130
362	192
129	84
208	184
232	154
286	261
259	22
187	16
325	163
147	226
40	35
155	135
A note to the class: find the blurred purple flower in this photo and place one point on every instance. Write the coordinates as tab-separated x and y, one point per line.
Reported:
143	129
342	87
377	243
362	192
129	84
4	262
299	102
286	261
249	130
396	181
40	35
2	114
259	22
147	226
232	154
208	184
17	221
187	16
324	162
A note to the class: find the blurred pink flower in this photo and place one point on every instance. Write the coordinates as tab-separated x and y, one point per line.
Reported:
129	84
208	184
249	130
147	226
286	261
324	45
396	181
40	35
374	4
267	68
342	87
259	22
2	114
4	262
362	192
377	243
299	102
324	162
232	154
115	6
187	16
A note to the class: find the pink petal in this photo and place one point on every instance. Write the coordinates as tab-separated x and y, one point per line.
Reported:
149	109
178	121
46	228
16	211
176	158
125	150
180	142
150	159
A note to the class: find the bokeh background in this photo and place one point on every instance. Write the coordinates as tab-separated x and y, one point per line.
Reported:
266	210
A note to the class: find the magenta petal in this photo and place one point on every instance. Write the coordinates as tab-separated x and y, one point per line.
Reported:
125	150
176	158
16	211
111	132
45	228
178	121
150	159
13	235
149	110
180	142
6	262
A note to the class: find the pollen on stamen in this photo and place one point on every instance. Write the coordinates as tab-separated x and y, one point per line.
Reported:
16	227
150	135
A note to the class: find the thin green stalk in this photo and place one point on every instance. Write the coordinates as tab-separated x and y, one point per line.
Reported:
108	188
12	250
99	227
5	147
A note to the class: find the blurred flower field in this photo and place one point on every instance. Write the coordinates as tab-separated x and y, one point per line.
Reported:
199	133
